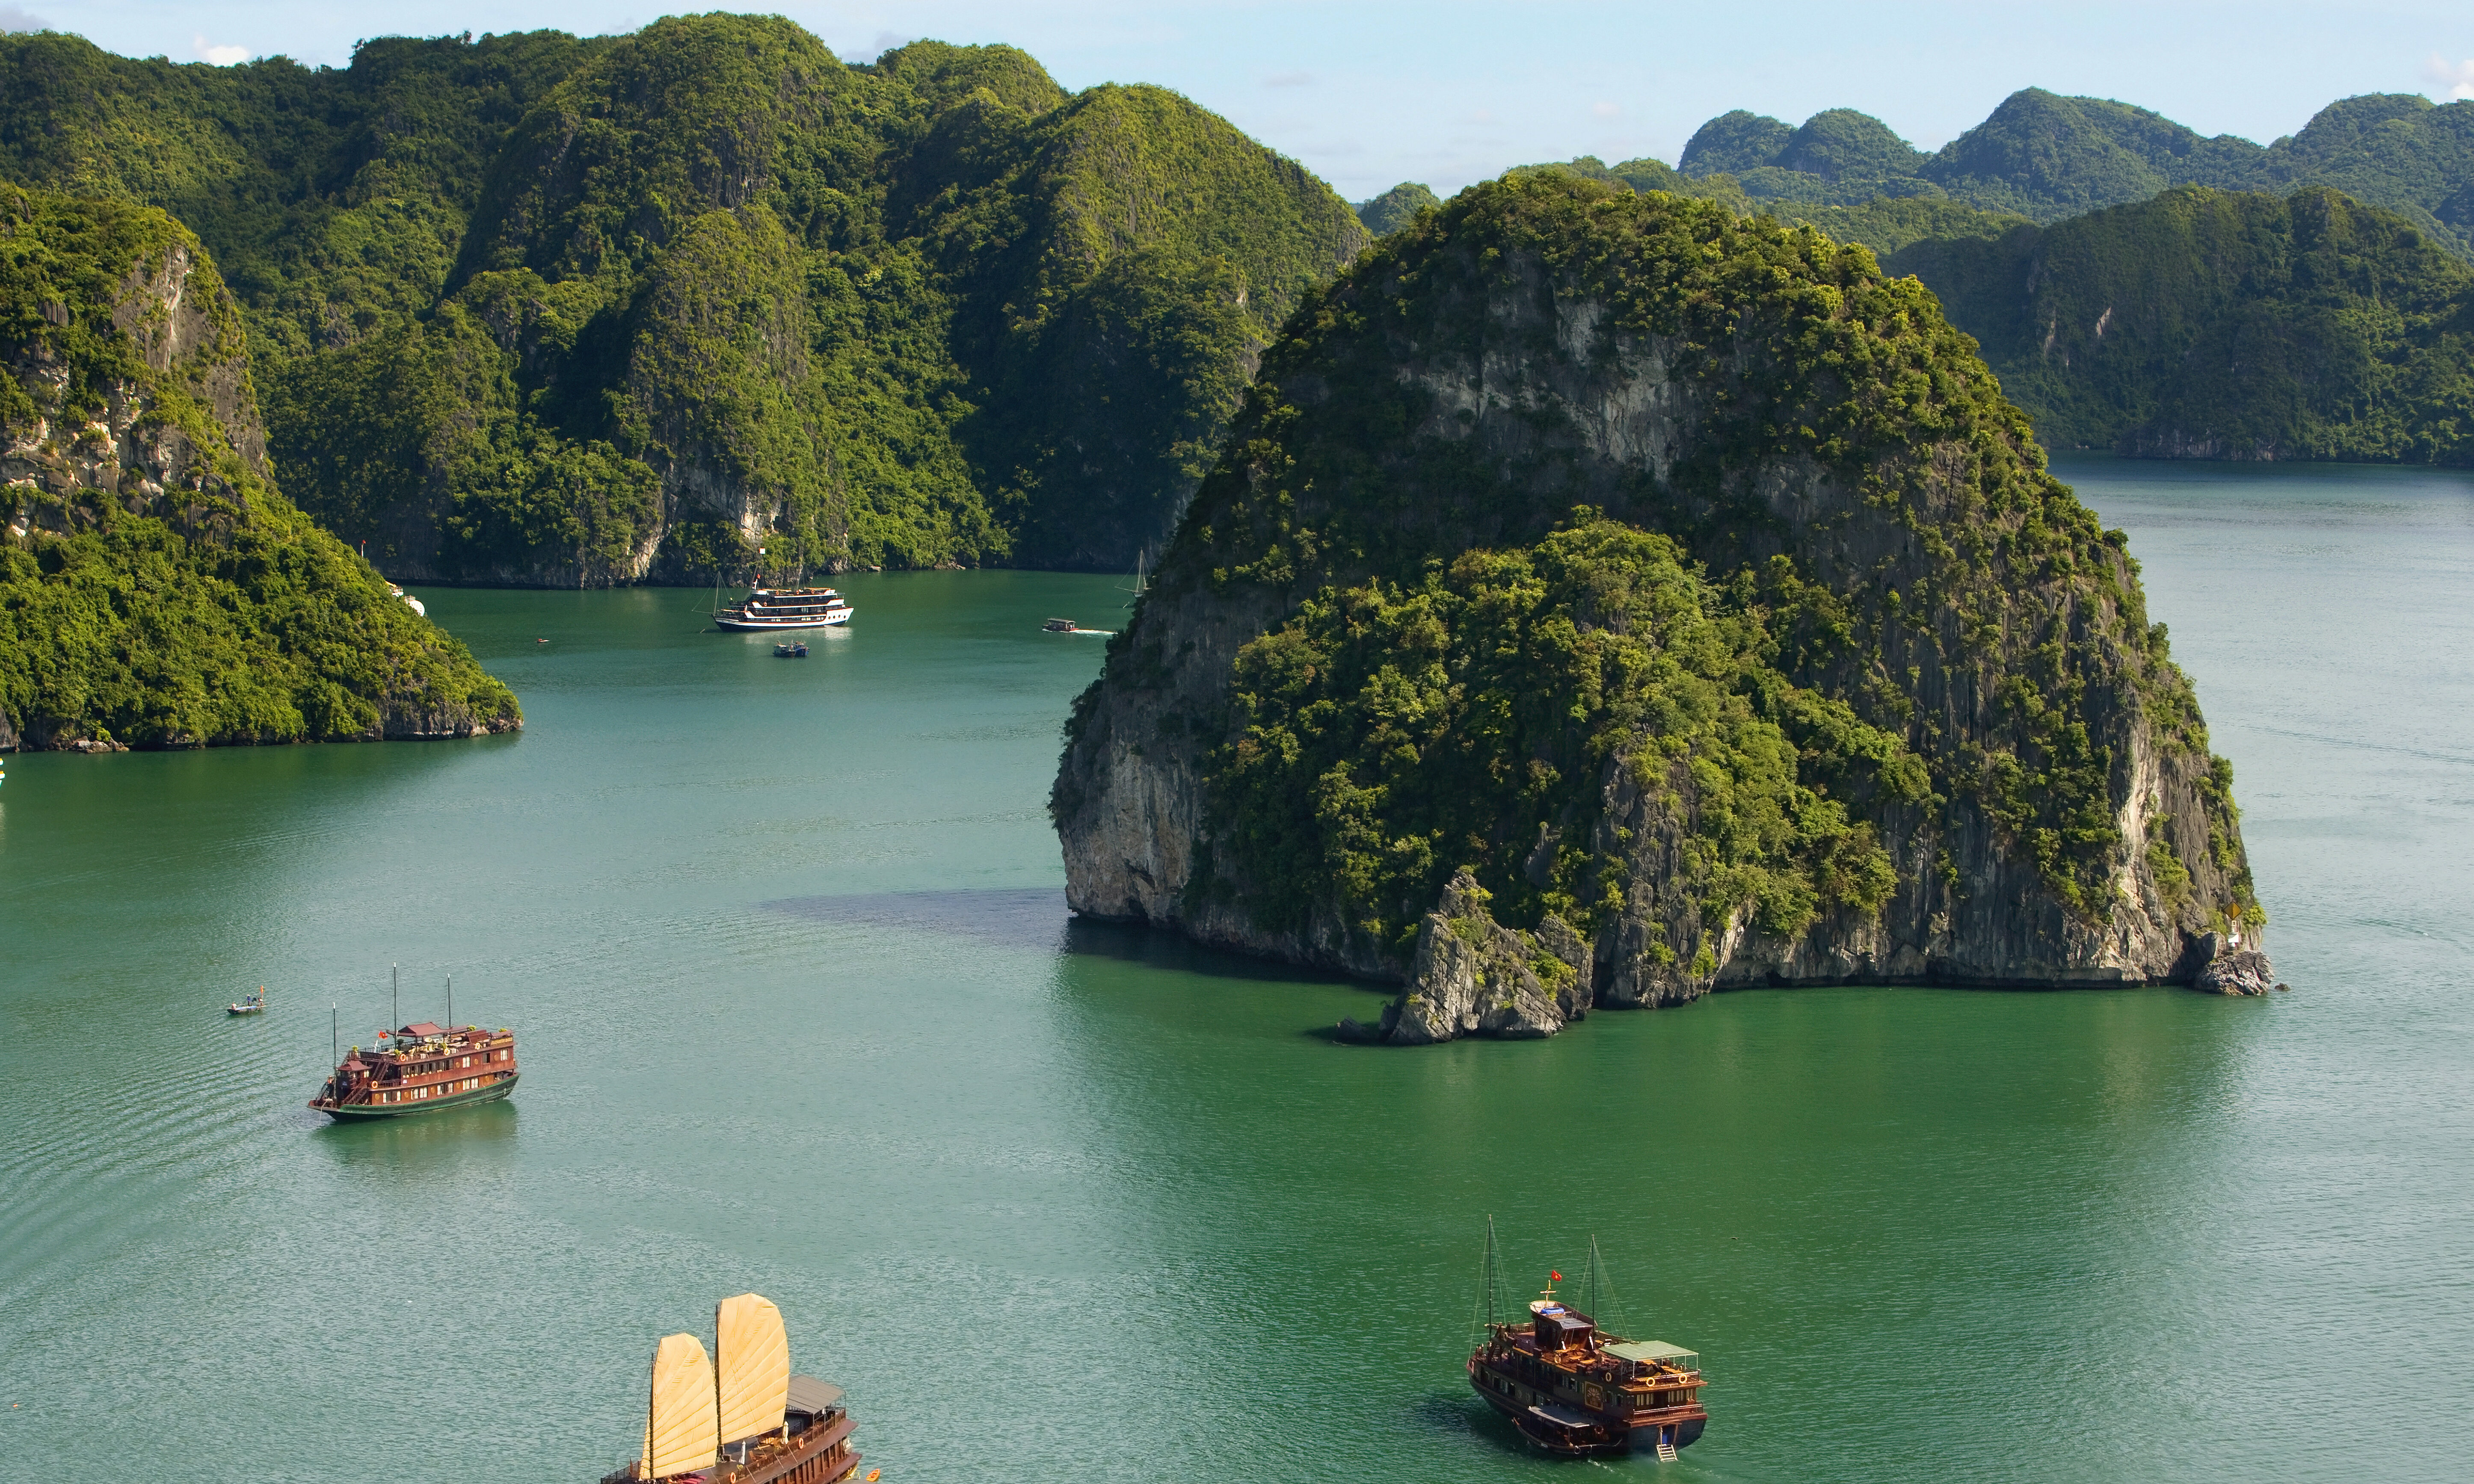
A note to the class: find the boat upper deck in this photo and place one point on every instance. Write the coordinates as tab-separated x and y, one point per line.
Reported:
1572	1344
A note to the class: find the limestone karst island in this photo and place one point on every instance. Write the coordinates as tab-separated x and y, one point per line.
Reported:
1219	743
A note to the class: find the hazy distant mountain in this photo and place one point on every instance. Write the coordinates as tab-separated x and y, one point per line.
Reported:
2046	157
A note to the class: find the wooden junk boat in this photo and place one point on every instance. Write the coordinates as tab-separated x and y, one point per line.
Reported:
741	1417
421	1069
1576	1390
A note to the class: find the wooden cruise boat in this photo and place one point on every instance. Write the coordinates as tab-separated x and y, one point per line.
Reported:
1577	1391
741	1417
419	1069
786	608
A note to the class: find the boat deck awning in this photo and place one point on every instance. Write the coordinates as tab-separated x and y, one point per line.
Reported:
814	1396
1646	1352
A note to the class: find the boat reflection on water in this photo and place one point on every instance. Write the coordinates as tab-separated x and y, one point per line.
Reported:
443	1142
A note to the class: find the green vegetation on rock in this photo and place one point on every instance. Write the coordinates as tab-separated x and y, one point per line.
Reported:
2206	324
1684	578
1389	732
2046	158
155	589
1394	207
942	311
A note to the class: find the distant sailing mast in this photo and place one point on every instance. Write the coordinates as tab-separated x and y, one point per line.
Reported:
1142	585
1493	1307
1598	1292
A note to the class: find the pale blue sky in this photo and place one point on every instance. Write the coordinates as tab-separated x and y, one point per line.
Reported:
1367	94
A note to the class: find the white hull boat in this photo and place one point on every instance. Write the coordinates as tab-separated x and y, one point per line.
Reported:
771	608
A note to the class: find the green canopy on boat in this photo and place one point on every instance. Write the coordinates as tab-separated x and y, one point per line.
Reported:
1646	1350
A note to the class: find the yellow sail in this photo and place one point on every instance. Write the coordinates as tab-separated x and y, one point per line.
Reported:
678	1429
752	1357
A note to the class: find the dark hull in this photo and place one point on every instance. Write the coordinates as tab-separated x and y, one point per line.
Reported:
364	1111
1610	1440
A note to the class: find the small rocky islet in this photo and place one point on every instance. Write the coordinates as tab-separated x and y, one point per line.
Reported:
1602	599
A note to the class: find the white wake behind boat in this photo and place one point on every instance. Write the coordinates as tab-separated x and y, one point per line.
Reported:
786	607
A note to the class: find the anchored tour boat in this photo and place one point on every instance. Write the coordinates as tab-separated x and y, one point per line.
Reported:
1575	1389
421	1069
738	1416
786	608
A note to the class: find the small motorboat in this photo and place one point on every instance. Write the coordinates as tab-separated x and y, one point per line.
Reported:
792	650
254	1005
1058	626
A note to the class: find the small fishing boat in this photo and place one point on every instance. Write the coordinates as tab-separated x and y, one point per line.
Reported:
796	650
1579	1390
1058	626
738	1416
254	1005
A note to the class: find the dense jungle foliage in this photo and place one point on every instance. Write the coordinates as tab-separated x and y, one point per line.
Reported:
2198	323
2210	324
1390	731
933	310
1463	652
155	589
1394	207
2046	158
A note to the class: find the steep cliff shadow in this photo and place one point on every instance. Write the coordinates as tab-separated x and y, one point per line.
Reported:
1133	943
1033	918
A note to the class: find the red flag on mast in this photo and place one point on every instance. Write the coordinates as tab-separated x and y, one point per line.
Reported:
1554	1277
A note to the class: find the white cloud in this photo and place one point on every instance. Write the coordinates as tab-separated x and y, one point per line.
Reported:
12	18
1606	110
219	56
2456	77
1289	80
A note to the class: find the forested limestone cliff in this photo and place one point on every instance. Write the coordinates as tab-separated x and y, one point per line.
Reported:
2216	324
539	310
154	587
1602	599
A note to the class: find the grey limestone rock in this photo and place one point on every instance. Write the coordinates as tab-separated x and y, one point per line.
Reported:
2238	972
1473	976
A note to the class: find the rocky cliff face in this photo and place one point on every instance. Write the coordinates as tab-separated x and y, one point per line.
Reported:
155	589
1684	587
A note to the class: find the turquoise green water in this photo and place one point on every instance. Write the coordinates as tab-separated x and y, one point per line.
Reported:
802	1012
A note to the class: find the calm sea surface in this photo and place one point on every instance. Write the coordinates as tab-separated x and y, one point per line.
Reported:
802	1012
